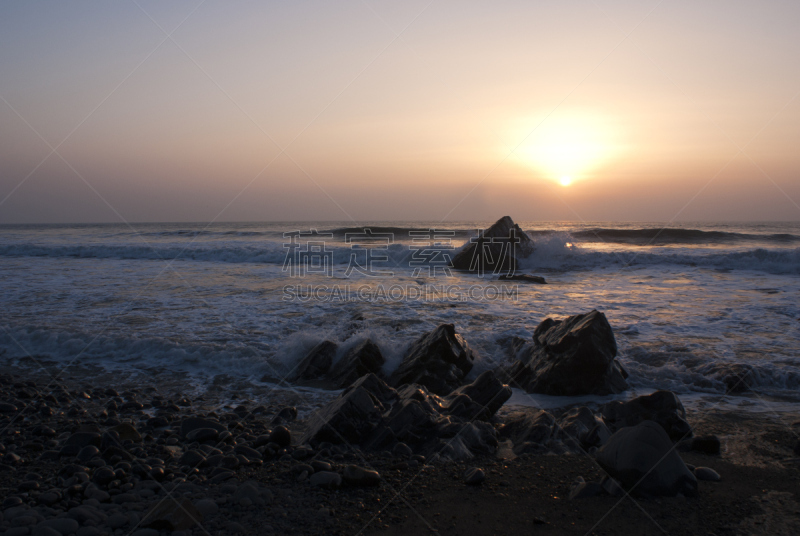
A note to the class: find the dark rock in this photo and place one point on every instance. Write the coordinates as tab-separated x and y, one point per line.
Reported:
202	434
439	360
326	480
524	278
570	357
495	249
487	391
353	475
285	415
529	431
642	459
127	433
194	423
281	436
316	363
61	525
103	476
707	444
580	427
5	407
663	407
82	439
173	514
706	473
474	476
363	358
581	489
87	453
737	377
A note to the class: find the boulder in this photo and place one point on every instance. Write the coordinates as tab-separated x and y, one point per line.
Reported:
580	427
643	460
569	357
529	431
439	360
495	249
663	407
523	278
376	417
487	391
363	358
316	363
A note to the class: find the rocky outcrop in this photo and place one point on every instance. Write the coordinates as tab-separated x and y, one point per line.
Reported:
495	249
663	407
529	431
523	278
439	361
363	358
316	363
569	357
580	427
642	459
374	416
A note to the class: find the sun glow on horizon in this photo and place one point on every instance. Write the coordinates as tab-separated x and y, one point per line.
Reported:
565	180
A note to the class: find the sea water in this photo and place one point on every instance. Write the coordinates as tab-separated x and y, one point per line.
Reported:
248	300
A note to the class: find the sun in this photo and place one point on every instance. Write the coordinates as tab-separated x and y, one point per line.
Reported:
565	181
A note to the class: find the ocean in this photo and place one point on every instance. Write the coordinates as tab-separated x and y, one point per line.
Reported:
248	300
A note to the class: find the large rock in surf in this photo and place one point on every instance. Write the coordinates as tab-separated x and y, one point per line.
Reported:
574	356
663	407
643	460
439	360
374	416
529	431
490	251
363	358
316	363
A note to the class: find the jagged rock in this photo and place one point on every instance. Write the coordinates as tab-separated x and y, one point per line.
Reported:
581	428
737	377
487	391
439	360
524	278
663	407
642	459
316	363
529	431
364	358
570	357
371	414
492	251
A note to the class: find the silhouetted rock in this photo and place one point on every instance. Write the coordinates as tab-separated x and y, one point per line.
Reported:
439	360
486	391
569	357
529	431
642	459
316	363
523	278
495	249
363	358
663	407
737	377
581	428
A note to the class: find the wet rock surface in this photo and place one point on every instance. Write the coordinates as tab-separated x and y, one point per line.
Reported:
495	249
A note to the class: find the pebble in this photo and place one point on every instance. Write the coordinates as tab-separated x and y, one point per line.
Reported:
206	507
326	480
706	473
281	436
62	525
358	476
117	520
474	476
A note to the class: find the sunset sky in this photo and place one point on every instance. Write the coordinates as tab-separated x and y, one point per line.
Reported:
370	110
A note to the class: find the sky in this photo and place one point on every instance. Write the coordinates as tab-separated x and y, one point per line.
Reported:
588	110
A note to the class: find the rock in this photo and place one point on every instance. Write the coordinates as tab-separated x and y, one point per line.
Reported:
487	391
5	407
45	531
206	507
84	513
82	439
663	407
316	363
737	377
492	250
173	514
642	459
325	480
202	434
50	497
281	436
285	415
401	450
706	473
61	525
612	487
524	278
89	531
193	423
581	489
580	427
146	532
707	444
474	476
363	358
569	357
439	360
529	431
192	458
127	433
354	475
249	491
17	531
87	453
103	475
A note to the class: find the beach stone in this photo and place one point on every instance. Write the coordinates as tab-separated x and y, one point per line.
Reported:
642	456
117	520
89	531
326	480
401	450
62	525
486	391
529	430
202	434
707	444
363	358
173	514
582	428
354	475
87	453
581	489
491	250
474	476
85	513
570	357
17	531
83	439
706	473
663	407
192	458
146	532
316	363
193	423
319	465
5	407
206	507
50	497
44	531
285	415
103	475
439	360
127	433
249	491
281	436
